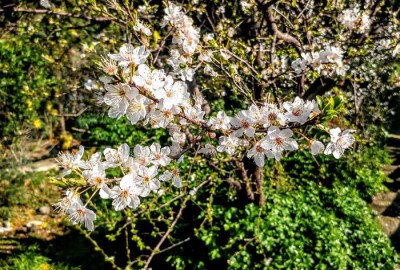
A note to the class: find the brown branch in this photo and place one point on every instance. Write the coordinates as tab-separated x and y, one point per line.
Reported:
249	192
60	13
283	36
73	114
259	177
174	245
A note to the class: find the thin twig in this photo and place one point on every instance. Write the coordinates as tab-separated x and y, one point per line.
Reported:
156	250
174	245
98	248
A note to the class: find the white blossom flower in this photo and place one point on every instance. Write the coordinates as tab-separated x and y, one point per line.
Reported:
205	56
255	113
116	157
70	161
131	166
228	144
150	80
109	66
298	111
160	155
258	153
279	140
136	110
208	37
354	19
79	214
118	97
171	94
91	162
340	141
208	150
210	71
317	147
67	201
97	177
142	155
162	118
221	121
126	194
172	175
141	28
179	137
244	124
175	148
272	115
193	113
299	65
129	55
172	14
187	74
147	181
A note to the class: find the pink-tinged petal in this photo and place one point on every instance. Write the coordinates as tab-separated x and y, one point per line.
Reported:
329	148
177	182
338	153
145	192
286	133
136	189
335	133
123	150
250	131
291	145
131	92
273	132
317	147
269	154
235	122
152	171
154	184
105	192
144	71
139	81
288	106
277	155
259	160
135	202
79	154
266	144
126	49
127	181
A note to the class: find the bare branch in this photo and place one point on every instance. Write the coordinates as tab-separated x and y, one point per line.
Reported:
280	35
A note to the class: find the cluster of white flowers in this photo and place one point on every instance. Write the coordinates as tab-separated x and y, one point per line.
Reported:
141	176
326	62
150	96
248	125
185	36
355	20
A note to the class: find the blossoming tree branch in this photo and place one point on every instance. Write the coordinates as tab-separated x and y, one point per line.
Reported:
284	64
